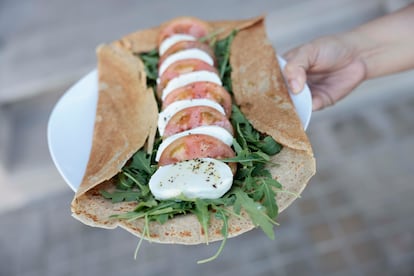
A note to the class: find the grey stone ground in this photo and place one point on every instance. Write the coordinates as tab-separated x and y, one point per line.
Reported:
354	218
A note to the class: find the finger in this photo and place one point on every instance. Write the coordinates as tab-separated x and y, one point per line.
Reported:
317	103
320	100
299	60
295	77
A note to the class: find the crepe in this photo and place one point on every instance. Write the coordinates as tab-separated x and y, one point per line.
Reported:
259	90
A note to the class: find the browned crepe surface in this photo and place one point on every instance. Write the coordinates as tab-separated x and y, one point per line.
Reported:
296	160
120	125
260	91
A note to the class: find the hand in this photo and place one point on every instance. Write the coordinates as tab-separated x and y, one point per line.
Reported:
331	67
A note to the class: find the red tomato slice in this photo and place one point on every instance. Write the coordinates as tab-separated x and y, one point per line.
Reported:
181	67
201	90
184	25
195	146
184	45
196	116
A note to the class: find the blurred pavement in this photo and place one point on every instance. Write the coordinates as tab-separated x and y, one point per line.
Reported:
354	218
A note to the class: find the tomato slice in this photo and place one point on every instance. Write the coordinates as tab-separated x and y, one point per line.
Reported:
184	45
201	90
184	25
195	146
196	116
181	67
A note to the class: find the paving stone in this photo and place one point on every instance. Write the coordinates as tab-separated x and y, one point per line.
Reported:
338	198
284	218
267	272
332	261
378	270
6	128
300	267
355	132
28	243
308	205
352	224
29	119
401	120
292	239
7	262
323	182
399	243
366	251
320	232
410	104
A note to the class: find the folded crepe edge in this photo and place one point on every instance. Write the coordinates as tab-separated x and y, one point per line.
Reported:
260	90
122	81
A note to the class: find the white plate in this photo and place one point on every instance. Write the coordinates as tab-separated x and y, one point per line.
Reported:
70	129
71	123
302	101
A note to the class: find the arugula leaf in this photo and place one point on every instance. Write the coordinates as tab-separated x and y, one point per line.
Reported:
138	179
142	161
269	146
257	212
266	189
248	157
249	138
137	173
150	60
203	215
124	182
222	53
211	38
142	205
220	214
120	196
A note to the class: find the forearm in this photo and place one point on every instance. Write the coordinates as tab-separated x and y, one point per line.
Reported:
385	45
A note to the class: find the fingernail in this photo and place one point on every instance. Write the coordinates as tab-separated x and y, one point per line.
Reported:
294	85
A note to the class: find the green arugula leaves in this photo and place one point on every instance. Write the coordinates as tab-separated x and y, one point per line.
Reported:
150	60
222	53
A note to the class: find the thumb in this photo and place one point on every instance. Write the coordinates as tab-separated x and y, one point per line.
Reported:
298	63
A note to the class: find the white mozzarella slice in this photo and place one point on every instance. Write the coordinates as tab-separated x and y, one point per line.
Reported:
214	131
188	78
185	54
204	178
170	41
177	106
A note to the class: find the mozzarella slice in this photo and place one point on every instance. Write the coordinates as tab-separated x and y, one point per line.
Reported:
198	178
214	131
188	78
185	54
170	41
177	106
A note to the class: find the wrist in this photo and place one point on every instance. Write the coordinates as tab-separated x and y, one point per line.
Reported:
384	45
361	49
